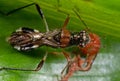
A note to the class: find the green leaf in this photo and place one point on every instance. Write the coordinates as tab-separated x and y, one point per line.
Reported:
102	17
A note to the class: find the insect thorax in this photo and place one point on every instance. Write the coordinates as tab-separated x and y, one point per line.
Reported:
77	38
80	38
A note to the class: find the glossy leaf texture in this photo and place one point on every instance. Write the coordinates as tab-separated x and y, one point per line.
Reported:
102	17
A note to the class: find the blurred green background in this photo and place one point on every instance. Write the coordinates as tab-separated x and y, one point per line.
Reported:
102	17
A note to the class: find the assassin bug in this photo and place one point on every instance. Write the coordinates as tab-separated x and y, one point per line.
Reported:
24	39
84	56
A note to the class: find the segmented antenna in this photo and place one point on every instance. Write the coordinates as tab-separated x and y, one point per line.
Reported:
78	14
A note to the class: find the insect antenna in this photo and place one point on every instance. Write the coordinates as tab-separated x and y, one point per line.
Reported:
76	10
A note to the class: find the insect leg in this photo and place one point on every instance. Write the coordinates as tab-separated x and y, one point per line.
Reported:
67	55
42	15
66	22
68	58
17	9
70	69
65	34
87	63
41	62
38	9
21	69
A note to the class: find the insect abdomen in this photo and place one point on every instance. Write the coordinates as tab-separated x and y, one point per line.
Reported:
25	39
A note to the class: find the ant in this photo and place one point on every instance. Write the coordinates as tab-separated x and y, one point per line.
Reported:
84	56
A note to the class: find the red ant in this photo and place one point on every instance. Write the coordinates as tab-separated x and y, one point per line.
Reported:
84	56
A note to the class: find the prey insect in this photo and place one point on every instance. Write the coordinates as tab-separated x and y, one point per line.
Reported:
25	38
84	56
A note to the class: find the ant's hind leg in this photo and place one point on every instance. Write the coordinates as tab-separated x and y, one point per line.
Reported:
38	9
21	69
